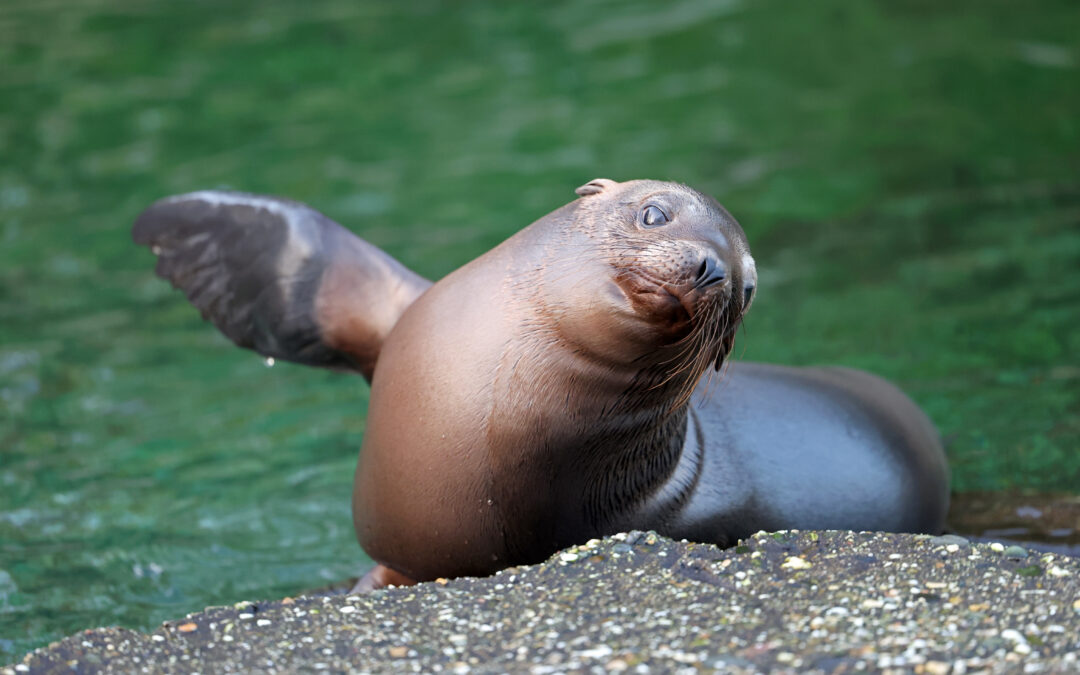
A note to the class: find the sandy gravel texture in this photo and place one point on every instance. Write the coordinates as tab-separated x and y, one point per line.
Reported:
829	602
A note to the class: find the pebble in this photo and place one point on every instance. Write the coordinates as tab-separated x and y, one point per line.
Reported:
936	668
1015	552
796	563
458	640
1013	635
950	540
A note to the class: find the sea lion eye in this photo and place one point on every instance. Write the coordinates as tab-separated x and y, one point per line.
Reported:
652	216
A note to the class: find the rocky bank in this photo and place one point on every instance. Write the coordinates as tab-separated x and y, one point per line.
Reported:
829	602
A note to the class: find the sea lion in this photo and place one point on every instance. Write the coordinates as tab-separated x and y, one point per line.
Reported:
552	390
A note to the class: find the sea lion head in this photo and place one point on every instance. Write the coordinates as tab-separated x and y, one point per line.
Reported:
679	275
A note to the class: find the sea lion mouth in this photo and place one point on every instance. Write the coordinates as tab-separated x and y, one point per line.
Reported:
694	319
672	304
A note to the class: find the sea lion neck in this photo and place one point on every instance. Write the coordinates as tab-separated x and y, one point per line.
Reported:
603	438
603	430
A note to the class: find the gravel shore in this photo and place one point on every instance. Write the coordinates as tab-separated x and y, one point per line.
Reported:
832	602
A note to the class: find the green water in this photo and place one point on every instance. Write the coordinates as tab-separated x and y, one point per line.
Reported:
908	174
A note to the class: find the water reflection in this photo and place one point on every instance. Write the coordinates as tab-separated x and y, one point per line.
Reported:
1043	522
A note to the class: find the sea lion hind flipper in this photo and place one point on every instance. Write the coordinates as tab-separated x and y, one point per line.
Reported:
278	277
378	577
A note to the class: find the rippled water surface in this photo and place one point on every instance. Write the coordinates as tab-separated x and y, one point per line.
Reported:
908	174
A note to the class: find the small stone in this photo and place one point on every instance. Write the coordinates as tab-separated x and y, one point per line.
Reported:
157	638
245	615
568	557
949	540
1012	635
1016	552
600	652
796	563
936	668
1056	571
458	640
262	622
997	547
399	652
347	609
187	627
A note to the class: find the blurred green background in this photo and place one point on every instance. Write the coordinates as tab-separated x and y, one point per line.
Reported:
908	174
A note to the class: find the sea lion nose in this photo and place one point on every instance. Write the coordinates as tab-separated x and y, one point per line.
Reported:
711	271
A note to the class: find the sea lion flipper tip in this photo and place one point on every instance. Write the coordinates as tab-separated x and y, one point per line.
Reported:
278	277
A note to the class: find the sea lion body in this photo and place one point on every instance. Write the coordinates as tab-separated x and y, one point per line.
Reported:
810	448
480	414
552	390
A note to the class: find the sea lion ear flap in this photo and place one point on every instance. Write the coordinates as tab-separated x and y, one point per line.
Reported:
595	187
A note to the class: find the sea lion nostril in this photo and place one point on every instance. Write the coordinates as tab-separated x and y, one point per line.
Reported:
710	272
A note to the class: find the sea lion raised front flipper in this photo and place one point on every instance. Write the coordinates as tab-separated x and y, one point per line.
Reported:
278	277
